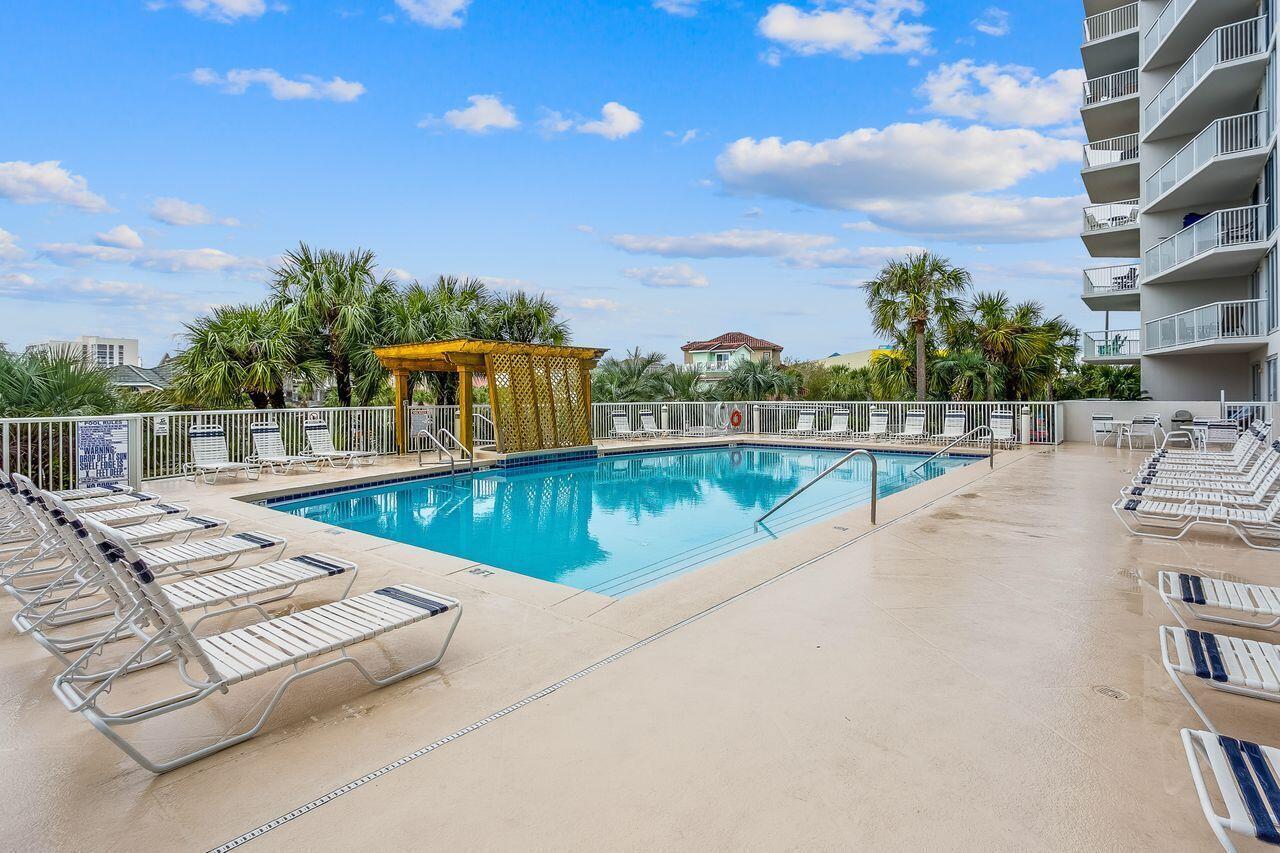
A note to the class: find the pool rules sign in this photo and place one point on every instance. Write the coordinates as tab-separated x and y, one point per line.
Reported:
102	452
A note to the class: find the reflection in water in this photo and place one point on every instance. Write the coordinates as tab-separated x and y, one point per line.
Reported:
613	524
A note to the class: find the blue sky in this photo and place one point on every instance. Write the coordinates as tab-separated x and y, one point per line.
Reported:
665	169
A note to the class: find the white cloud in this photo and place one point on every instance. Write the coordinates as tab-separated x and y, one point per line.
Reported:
675	275
840	258
10	251
15	279
122	237
900	161
116	294
752	213
553	122
734	243
222	11
850	30
175	211
992	219
486	113
156	260
399	274
682	138
593	303
47	182
993	21
1003	94
440	14
681	8
306	88
615	122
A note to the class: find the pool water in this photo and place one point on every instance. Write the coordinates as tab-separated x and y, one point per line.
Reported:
616	524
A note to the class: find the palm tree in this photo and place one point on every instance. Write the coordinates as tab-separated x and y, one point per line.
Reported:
749	379
637	377
892	373
684	383
240	351
1030	349
519	317
970	375
45	384
912	296
340	302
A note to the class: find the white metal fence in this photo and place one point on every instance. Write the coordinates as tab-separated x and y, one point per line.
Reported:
1233	227
1115	214
1105	24
1114	343
1113	279
1247	412
1225	44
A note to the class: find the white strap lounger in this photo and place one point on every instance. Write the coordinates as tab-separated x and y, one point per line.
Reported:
1215	481
320	446
137	514
806	422
1259	497
1257	528
92	492
211	457
952	427
1002	429
877	426
1247	782
913	428
622	427
1194	593
209	665
839	426
1230	664
1258	430
650	425
269	450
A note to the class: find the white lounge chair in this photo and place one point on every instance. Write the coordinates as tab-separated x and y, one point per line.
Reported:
877	427
650	426
1002	429
1262	485
1244	447
1246	778
320	446
839	426
1212	599
622	427
269	450
912	428
1230	664
806	424
953	424
1257	528
215	664
1104	427
210	456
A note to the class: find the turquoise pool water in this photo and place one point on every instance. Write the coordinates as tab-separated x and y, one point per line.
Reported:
615	524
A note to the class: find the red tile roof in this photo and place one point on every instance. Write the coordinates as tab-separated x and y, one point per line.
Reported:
731	340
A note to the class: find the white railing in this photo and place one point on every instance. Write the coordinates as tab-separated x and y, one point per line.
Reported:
1225	44
1114	279
1109	23
1105	217
1224	136
46	450
1218	321
431	419
1114	343
1111	86
1245	413
1233	227
701	418
1109	152
1164	24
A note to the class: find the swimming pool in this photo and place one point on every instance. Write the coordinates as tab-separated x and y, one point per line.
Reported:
620	523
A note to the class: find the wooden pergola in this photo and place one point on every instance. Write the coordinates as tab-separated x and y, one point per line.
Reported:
540	395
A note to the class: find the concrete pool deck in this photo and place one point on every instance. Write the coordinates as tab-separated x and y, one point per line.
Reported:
934	682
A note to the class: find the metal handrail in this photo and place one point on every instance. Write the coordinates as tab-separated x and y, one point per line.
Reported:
859	452
461	446
440	448
492	428
991	456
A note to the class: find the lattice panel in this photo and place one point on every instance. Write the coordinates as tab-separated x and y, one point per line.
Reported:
539	402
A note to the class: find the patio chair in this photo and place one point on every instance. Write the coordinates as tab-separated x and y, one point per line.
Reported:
1142	428
1245	776
806	424
649	425
1194	593
953	424
216	664
1230	664
320	446
1104	427
912	428
877	427
210	457
1002	429
622	428
269	450
1257	528
839	426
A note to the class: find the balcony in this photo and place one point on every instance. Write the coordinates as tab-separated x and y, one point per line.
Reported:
1109	106
1220	327
1111	230
1182	24
1110	40
1221	77
1224	243
1223	161
1113	288
1111	347
1110	168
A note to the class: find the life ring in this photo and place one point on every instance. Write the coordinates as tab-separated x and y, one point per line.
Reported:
735	419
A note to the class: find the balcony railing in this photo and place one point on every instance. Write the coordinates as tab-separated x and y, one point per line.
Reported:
1114	279
1106	217
1220	321
1164	24
1224	136
1222	228
1111	86
1109	152
1109	23
1225	44
1112	344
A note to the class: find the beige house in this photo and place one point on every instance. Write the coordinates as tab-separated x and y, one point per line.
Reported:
851	360
716	357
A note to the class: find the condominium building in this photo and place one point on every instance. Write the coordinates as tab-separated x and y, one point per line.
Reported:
1179	110
104	352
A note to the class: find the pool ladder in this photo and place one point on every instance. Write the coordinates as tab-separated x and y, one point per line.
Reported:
991	455
440	448
859	452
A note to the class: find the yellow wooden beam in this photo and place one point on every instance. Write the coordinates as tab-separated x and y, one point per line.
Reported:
401	379
464	409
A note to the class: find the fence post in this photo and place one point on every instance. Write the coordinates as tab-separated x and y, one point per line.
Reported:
1025	426
755	419
134	450
665	420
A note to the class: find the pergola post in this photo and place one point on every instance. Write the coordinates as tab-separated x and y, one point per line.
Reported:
464	408
401	378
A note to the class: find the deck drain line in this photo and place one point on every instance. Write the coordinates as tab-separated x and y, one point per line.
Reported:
259	831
